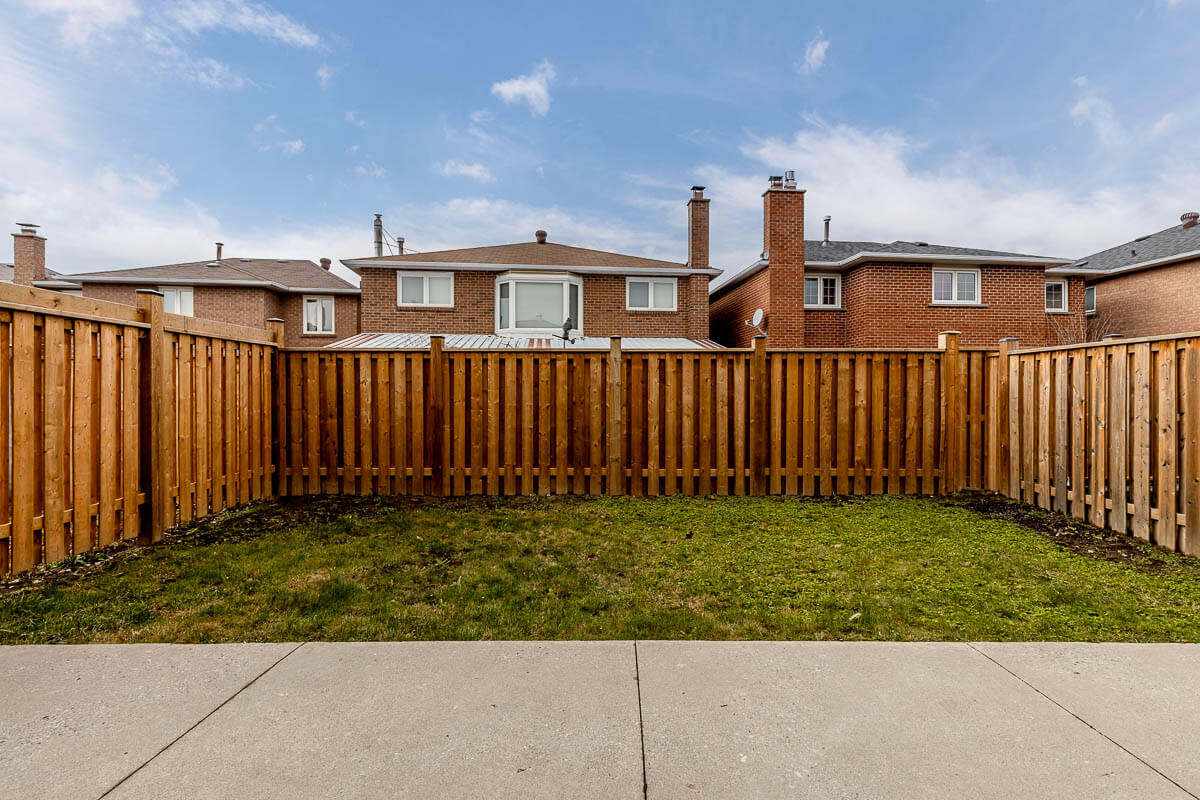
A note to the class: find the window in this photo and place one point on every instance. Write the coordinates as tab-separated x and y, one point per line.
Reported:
318	315
650	295
1089	300
822	291
177	300
956	286
425	289
1056	296
538	304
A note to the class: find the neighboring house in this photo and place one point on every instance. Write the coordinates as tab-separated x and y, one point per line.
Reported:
824	293
1146	287
317	307
524	292
29	263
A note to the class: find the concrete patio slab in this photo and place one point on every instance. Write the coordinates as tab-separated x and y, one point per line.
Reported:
418	720
842	720
75	720
1145	696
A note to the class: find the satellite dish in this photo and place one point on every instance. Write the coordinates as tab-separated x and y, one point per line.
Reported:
757	319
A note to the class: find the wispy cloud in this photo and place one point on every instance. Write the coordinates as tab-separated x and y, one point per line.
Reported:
814	54
475	171
324	75
353	119
370	170
1092	108
83	19
291	148
214	74
238	16
533	89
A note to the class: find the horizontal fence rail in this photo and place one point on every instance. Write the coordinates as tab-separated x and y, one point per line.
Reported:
120	422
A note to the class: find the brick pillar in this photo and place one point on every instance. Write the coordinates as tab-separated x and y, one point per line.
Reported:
783	246
29	255
697	285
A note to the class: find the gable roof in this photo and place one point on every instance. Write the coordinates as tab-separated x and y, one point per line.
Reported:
279	274
521	254
839	255
1158	249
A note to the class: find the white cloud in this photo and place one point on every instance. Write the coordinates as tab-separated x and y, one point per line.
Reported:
370	170
352	118
814	54
475	171
533	89
324	75
238	16
352	148
262	125
214	74
292	148
1162	123
83	19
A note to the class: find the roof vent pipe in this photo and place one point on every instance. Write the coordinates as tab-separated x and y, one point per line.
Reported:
827	220
400	245
379	234
1189	219
220	245
540	236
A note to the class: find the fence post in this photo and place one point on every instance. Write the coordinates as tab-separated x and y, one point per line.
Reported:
758	417
156	393
278	395
616	422
954	411
437	415
998	416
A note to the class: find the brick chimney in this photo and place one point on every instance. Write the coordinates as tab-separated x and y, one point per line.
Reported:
29	255
783	247
698	229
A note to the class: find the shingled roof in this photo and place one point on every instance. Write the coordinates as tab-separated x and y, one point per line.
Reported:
54	280
545	254
280	274
1172	244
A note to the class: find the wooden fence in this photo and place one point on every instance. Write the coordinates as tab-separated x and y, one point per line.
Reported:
728	422
102	405
121	422
1108	433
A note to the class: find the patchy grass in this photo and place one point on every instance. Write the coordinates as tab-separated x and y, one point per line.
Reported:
598	568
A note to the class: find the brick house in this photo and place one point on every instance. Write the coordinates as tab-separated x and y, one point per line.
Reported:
317	307
29	263
1146	287
521	294
826	293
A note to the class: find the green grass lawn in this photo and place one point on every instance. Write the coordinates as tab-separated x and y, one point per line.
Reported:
598	568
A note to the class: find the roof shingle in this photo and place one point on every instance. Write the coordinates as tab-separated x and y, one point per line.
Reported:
1174	241
287	274
528	253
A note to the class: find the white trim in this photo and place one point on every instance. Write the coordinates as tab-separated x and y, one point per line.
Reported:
956	302
567	281
304	331
1104	273
216	282
1087	310
424	276
465	266
673	282
178	290
819	277
1066	298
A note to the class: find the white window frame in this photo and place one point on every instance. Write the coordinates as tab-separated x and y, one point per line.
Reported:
513	278
820	277
1089	291
955	272
1066	299
177	290
425	276
673	282
317	299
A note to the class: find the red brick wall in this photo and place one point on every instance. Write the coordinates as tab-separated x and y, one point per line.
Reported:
825	328
29	258
246	306
729	311
604	311
783	241
1150	302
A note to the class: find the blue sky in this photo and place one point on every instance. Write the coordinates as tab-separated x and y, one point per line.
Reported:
139	133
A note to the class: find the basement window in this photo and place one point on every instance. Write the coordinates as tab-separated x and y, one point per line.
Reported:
650	295
1089	300
178	300
433	289
956	287
318	315
822	291
1056	297
538	304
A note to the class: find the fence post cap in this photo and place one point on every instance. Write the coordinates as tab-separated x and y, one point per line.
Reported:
950	333
1114	336
148	291
1010	339
616	338
274	319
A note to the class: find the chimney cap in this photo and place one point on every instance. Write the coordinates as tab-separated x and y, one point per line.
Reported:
326	263
1189	219
540	236
28	227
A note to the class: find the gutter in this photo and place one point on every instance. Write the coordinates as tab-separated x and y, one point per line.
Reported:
357	264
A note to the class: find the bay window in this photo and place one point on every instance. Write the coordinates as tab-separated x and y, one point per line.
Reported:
956	286
318	315
435	289
538	304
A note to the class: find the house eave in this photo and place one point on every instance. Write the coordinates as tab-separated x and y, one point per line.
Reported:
279	287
